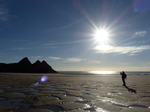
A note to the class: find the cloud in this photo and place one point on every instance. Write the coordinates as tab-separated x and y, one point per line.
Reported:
73	42
140	33
67	26
4	14
35	57
74	60
125	64
67	59
123	50
94	61
55	58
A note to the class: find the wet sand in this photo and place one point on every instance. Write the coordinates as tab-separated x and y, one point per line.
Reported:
74	93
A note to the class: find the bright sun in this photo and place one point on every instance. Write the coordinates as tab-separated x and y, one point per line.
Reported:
101	35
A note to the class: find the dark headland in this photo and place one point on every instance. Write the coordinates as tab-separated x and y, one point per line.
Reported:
25	66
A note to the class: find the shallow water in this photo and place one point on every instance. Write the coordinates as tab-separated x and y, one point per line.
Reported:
16	102
8	87
18	93
89	94
30	88
140	106
51	107
2	98
26	106
1	90
55	97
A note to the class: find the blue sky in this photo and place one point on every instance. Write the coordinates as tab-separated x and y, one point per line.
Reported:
62	32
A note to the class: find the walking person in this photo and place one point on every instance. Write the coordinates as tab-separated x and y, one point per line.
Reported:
123	76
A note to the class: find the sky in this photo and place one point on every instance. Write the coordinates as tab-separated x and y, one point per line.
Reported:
64	33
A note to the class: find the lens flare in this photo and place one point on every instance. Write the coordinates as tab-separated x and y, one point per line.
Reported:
37	83
44	78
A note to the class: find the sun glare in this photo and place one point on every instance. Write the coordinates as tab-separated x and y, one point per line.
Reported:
102	72
101	35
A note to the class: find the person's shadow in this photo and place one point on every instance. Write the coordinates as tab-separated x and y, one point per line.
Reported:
130	89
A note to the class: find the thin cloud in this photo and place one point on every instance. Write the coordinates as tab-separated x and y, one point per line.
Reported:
55	58
5	14
62	43
73	42
67	26
94	62
68	60
74	60
125	64
20	48
35	58
140	33
123	50
146	64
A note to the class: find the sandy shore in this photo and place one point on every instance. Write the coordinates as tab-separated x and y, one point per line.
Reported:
74	93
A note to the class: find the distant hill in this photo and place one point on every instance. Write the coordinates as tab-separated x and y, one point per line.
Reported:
25	66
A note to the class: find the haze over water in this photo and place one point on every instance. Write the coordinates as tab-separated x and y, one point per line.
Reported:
104	72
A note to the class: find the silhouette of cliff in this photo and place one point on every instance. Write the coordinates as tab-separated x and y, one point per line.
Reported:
25	66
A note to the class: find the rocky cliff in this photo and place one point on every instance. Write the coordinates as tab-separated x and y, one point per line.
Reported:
25	66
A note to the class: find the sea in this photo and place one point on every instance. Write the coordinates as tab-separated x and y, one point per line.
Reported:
104	72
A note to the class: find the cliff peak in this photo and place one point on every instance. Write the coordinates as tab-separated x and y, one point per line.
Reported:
25	61
37	62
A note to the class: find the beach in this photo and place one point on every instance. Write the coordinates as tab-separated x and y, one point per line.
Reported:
20	92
